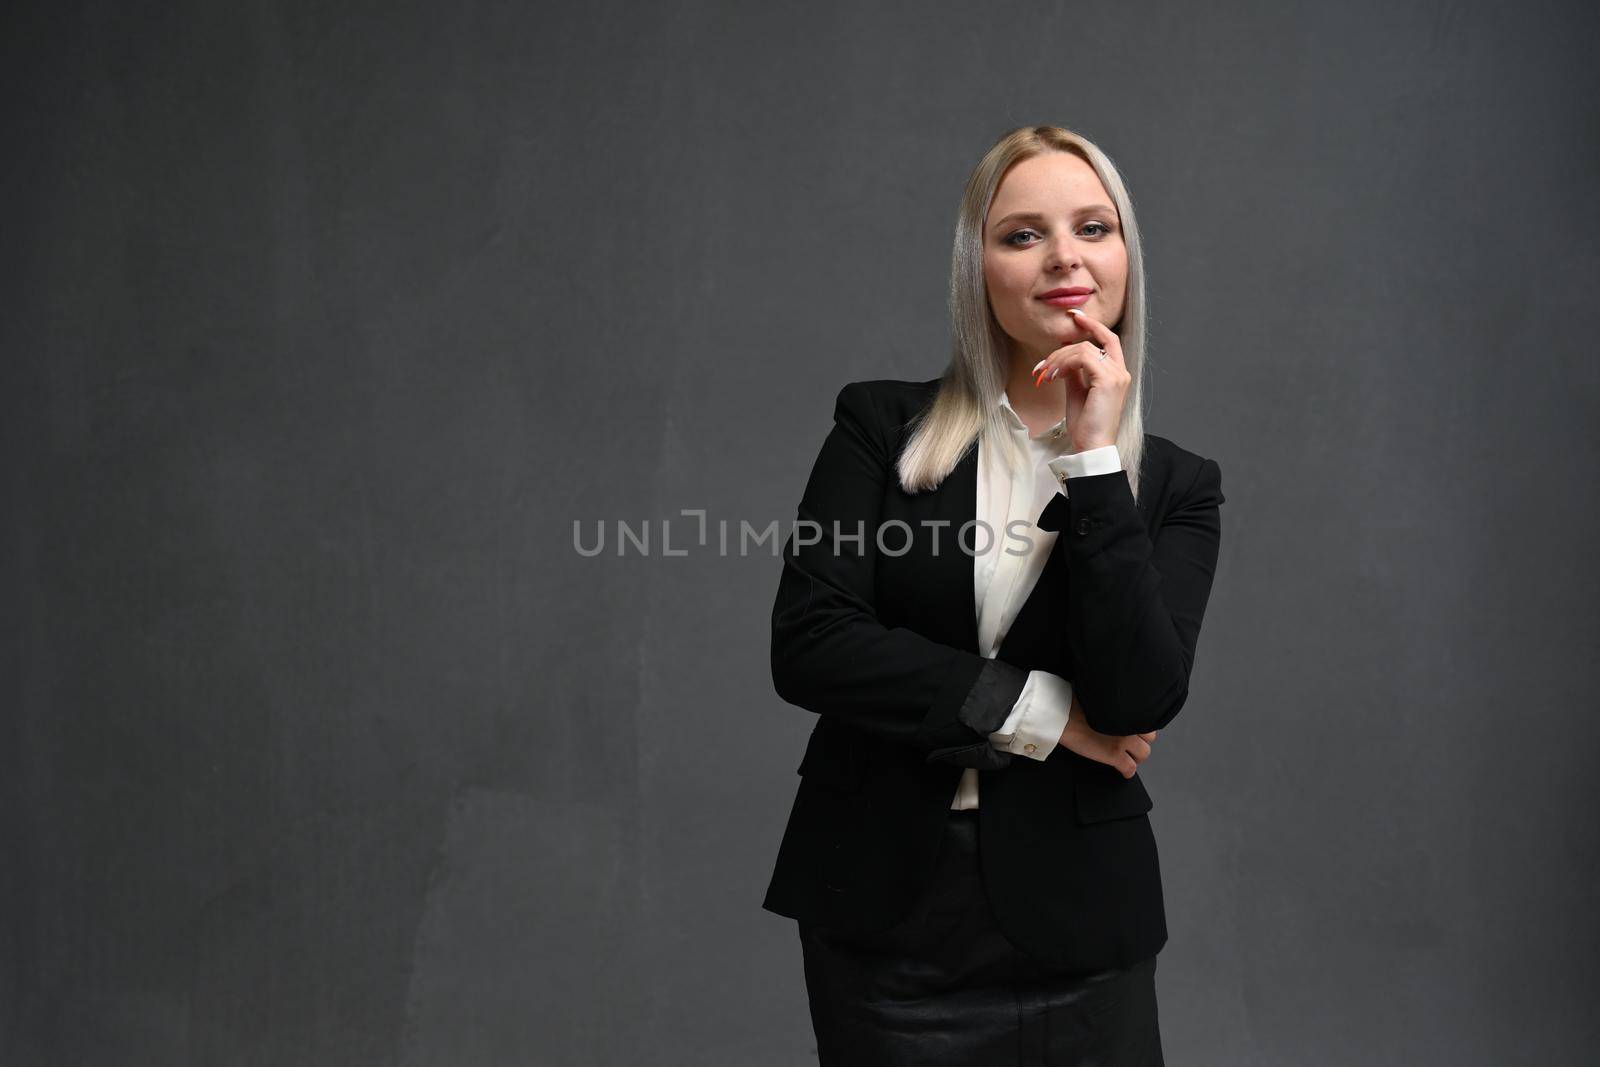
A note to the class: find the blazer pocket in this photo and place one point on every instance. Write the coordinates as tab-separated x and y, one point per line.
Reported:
1101	797
831	760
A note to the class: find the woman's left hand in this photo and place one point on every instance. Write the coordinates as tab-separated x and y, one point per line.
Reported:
1096	385
1122	753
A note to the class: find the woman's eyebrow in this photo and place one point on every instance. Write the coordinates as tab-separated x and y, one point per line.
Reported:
1099	209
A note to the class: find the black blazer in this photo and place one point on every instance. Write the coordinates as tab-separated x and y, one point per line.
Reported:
882	645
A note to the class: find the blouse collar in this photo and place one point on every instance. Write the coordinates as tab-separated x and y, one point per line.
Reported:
1015	422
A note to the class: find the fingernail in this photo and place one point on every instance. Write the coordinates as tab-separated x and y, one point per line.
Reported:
1037	365
1073	311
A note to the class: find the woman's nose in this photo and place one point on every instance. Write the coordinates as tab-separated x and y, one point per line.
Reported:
1063	254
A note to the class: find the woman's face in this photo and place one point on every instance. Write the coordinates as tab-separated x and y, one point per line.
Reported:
1052	226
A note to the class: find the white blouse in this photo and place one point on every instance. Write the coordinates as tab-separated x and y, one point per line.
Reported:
1002	580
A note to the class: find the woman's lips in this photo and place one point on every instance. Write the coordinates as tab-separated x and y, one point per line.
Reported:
1076	300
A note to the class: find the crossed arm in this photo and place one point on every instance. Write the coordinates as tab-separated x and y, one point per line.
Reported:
1131	620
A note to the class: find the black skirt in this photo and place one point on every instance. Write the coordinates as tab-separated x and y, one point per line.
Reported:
945	987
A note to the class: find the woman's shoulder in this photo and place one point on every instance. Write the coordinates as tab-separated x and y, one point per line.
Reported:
1178	471
1169	451
893	390
883	402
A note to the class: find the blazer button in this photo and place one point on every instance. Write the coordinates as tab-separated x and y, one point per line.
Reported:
1083	526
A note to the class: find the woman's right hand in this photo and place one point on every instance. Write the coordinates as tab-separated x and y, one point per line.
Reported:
1124	753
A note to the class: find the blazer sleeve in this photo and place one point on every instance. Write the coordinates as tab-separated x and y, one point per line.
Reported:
830	653
1134	605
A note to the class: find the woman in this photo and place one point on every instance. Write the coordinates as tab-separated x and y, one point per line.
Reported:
992	602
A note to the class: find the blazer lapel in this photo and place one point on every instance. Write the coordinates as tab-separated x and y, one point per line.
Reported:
1034	639
954	570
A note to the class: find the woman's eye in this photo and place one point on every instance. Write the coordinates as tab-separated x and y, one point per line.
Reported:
1015	243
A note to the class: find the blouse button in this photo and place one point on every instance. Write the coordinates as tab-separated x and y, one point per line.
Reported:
1028	747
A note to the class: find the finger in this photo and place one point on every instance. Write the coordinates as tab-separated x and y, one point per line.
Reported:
1151	736
1094	365
1091	325
1050	368
1102	333
1088	349
1064	359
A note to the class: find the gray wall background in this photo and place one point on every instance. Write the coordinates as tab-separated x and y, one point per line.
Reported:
322	744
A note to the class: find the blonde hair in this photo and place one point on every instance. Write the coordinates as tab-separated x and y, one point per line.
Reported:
966	403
